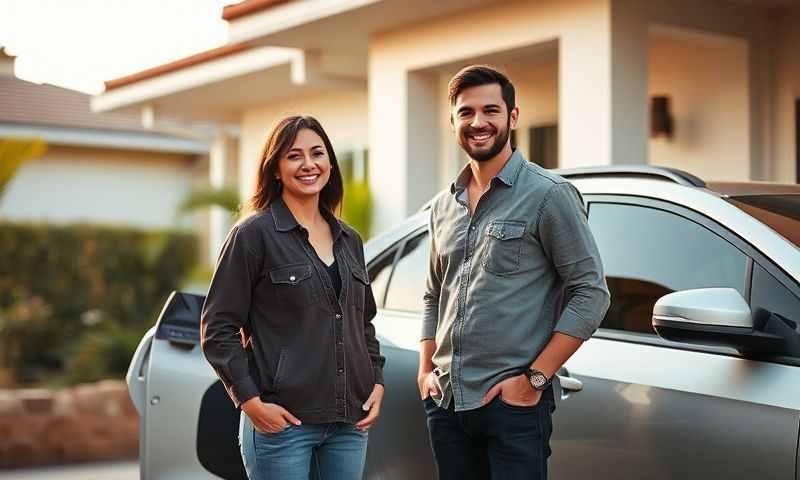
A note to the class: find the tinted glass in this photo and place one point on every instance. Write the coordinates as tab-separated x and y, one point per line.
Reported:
648	253
776	310
410	275
379	273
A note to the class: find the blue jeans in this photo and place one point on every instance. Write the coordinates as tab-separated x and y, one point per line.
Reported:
337	451
496	441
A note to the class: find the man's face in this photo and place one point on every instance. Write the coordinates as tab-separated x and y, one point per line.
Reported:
482	122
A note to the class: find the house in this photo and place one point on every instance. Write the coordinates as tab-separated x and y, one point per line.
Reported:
599	82
98	168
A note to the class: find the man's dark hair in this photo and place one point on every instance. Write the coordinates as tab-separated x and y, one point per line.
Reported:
477	75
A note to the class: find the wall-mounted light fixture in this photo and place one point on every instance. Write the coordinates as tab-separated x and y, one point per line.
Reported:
660	117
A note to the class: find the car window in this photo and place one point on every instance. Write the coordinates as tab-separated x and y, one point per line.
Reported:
379	273
648	253
776	309
408	281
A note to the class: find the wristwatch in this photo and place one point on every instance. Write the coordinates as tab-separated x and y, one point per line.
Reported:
539	380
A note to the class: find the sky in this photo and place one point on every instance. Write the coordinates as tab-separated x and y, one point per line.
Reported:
78	44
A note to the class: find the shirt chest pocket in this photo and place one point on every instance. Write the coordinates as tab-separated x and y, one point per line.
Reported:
359	288
292	286
503	249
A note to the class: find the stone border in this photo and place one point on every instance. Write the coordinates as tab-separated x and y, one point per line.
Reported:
87	423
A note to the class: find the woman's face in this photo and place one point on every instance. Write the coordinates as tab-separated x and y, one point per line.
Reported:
306	167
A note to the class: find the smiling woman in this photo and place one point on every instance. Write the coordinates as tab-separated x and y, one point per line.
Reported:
287	323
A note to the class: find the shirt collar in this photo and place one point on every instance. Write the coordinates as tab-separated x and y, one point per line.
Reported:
285	221
507	175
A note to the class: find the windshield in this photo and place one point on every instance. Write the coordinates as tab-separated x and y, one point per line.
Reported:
779	212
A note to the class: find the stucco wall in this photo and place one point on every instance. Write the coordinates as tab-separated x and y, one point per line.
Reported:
582	29
706	79
343	114
71	184
787	90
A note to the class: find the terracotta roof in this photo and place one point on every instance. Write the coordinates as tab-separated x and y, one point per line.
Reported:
189	61
247	7
28	103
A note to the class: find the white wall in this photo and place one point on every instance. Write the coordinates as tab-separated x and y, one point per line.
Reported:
72	184
706	77
787	90
343	115
582	30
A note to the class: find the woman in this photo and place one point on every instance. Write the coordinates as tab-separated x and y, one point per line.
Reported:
287	323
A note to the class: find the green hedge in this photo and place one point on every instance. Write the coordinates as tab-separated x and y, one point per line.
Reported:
74	300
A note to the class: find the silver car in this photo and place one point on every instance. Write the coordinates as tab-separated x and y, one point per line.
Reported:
694	374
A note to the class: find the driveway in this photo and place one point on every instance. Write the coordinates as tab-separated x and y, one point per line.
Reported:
92	471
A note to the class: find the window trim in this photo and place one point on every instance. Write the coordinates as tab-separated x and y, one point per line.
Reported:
751	254
392	250
398	248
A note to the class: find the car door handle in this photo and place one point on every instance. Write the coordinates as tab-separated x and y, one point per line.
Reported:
570	384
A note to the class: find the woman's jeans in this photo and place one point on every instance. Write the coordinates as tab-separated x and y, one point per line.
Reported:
336	451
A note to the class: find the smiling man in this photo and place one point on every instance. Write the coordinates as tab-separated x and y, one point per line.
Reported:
515	287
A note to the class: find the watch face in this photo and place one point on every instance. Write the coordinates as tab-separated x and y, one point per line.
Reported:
538	380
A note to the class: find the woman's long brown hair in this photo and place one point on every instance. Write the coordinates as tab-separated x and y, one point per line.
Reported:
280	140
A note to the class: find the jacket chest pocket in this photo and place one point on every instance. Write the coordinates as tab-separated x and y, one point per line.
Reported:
358	288
504	240
293	286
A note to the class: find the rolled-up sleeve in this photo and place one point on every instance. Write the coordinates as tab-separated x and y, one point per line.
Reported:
567	240
226	313
433	287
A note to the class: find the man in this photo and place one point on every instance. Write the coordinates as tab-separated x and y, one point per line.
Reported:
515	287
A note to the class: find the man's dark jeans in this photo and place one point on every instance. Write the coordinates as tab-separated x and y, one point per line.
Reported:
496	441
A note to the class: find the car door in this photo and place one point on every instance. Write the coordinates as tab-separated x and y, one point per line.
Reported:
188	425
661	410
399	447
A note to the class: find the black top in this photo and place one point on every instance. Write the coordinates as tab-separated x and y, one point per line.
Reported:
309	352
336	279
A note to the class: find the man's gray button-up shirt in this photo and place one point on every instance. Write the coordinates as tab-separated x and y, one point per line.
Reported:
503	279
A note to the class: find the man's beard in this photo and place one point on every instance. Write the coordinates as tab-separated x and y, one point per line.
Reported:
499	142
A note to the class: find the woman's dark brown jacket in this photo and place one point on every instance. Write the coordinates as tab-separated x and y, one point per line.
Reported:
306	350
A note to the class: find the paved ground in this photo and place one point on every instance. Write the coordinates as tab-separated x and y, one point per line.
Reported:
93	471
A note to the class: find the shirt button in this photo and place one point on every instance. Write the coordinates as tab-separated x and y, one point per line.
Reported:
338	316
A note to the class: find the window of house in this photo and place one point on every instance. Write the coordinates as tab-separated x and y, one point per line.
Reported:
543	146
648	253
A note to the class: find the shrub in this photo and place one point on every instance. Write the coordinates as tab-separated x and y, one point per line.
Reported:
76	272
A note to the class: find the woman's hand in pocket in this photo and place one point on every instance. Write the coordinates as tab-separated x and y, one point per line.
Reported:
268	417
373	406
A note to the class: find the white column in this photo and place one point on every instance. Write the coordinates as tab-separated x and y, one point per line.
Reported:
217	176
388	111
422	139
603	104
630	108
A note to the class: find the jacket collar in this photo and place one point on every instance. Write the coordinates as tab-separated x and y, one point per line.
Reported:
285	221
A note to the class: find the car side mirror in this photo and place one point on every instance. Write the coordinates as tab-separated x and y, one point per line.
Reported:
711	316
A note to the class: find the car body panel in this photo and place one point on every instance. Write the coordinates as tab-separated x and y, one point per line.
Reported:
177	380
661	413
